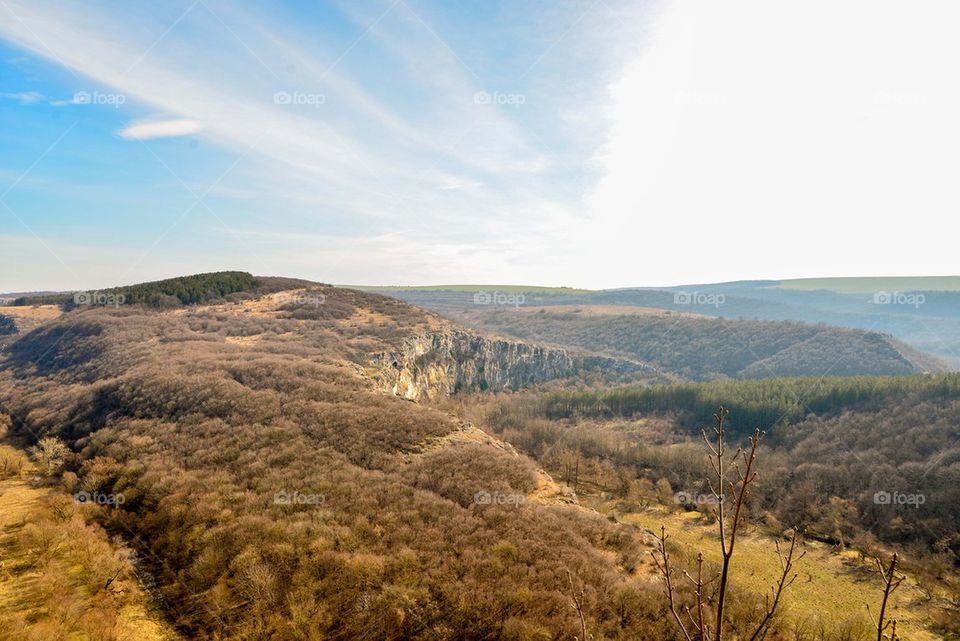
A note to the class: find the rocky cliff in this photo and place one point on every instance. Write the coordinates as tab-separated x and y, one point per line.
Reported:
445	362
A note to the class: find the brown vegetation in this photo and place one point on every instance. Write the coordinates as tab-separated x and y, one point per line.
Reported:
704	348
61	578
275	492
375	534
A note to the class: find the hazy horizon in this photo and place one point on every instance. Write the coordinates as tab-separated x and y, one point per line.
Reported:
517	285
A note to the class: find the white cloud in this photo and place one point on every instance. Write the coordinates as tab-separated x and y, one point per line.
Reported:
758	139
743	139
24	97
459	185
160	129
357	154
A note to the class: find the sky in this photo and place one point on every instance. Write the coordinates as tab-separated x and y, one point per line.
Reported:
589	143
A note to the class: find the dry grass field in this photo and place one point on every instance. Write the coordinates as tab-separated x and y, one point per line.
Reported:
52	568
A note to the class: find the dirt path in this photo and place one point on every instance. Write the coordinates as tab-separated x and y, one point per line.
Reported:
52	598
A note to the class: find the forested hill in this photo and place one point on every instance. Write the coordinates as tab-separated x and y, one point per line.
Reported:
171	292
286	493
702	348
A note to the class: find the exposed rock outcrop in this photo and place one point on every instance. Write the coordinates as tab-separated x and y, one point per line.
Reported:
445	362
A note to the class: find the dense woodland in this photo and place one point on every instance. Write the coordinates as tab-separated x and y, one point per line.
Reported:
753	403
173	292
199	433
702	348
835	443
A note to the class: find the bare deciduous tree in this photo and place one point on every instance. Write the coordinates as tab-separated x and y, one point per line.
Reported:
699	617
578	606
50	453
890	583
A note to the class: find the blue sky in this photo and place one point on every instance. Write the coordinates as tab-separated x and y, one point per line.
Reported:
601	143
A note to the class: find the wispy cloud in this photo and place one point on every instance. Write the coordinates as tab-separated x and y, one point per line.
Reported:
24	97
459	185
325	141
160	129
373	127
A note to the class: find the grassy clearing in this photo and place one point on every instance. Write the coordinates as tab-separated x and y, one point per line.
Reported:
33	312
871	284
61	579
832	590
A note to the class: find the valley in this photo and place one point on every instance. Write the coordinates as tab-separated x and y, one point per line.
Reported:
305	461
922	312
420	320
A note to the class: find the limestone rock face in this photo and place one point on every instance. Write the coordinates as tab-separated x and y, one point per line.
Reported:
441	363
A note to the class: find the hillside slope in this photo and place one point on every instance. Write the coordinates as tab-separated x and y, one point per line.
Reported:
922	312
60	576
264	456
700	347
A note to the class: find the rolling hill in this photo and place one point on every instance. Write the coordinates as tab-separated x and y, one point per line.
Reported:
923	312
283	488
700	348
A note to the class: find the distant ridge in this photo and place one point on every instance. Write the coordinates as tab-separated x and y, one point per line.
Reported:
923	312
